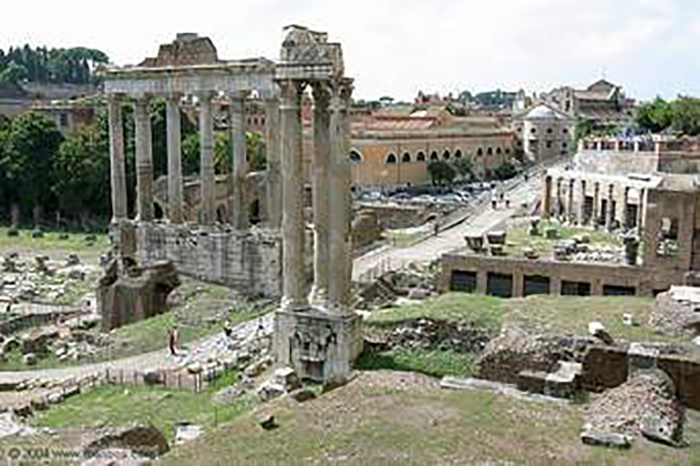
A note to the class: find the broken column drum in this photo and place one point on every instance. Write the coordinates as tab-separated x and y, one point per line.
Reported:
317	334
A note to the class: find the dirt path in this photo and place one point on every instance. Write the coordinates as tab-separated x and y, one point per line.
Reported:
198	351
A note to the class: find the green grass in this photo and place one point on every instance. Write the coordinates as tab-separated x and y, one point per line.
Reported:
112	405
75	242
481	311
572	314
519	238
434	363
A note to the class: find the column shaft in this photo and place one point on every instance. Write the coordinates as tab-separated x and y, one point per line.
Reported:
582	205
293	231
547	201
116	153
340	273
596	204
239	198
570	208
320	181
625	200
175	189
272	150
610	214
207	178
144	161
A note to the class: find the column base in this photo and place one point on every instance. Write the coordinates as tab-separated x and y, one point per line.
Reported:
319	346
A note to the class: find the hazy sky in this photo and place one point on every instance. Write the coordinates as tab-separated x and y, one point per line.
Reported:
396	47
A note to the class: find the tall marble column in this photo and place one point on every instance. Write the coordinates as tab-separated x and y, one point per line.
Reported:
547	200
582	204
272	151
560	202
116	154
596	204
610	214
144	160
625	215
570	207
340	215
207	178
320	182
640	209
239	199
175	188
293	231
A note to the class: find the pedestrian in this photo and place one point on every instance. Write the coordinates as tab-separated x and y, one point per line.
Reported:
228	331
172	341
436	228
507	203
493	204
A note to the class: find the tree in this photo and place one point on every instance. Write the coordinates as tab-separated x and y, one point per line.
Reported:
686	115
441	172
464	168
654	116
30	147
505	171
81	173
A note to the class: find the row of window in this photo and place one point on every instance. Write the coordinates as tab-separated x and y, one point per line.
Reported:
421	157
549	130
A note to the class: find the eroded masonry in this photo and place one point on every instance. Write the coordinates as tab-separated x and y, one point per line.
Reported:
316	331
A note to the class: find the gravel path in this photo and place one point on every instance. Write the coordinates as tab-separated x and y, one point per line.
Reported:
199	351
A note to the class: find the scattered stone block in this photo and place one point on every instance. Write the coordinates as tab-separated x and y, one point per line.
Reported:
597	330
287	378
551	233
496	238
143	440
303	394
187	432
72	260
258	367
607	439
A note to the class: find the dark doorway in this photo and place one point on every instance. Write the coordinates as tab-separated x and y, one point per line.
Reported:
463	281
575	288
498	284
614	290
535	284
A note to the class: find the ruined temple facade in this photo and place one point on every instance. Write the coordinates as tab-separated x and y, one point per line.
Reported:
216	245
316	330
642	189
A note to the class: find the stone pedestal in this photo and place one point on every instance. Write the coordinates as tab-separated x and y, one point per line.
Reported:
318	345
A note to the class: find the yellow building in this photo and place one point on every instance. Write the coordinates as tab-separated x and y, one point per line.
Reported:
391	150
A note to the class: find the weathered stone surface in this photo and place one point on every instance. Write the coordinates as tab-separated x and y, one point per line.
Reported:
303	394
145	441
644	405
187	433
607	439
134	293
597	330
258	367
675	311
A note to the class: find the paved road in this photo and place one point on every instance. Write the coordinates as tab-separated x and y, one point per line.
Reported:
484	219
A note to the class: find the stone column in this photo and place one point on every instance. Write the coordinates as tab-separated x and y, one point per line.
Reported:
207	178
144	161
340	264
570	207
596	204
547	199
239	199
175	194
640	209
625	200
582	204
560	203
611	210
116	153
272	151
293	231
322	156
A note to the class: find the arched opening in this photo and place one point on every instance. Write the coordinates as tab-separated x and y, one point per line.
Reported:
406	157
221	216
480	151
355	157
550	130
498	150
458	154
566	131
446	155
254	212
489	151
433	155
533	130
391	158
157	211
420	157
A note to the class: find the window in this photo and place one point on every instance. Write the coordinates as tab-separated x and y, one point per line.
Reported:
565	130
391	158
64	120
458	154
549	144
420	157
446	155
507	150
533	130
480	151
433	156
564	145
489	151
498	151
550	130
406	157
355	157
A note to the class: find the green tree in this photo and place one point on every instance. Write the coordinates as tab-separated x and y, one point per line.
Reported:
465	168
441	172
31	144
81	172
686	115
505	171
654	116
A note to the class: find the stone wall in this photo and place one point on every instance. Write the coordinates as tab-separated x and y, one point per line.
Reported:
616	162
247	261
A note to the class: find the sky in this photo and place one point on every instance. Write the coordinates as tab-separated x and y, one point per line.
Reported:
398	47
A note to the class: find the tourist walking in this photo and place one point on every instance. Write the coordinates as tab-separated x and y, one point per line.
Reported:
173	337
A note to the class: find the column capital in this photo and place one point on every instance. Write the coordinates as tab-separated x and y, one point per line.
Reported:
290	92
174	97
